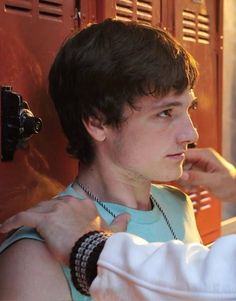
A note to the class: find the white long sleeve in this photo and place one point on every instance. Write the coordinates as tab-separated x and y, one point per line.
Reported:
130	269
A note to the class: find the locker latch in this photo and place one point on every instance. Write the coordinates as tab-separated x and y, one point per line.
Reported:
18	123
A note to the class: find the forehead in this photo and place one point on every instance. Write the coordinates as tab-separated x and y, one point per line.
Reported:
151	102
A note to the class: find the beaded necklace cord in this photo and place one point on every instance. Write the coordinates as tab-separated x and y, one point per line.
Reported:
153	200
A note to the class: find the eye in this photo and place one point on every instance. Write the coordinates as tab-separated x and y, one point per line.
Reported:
165	113
194	105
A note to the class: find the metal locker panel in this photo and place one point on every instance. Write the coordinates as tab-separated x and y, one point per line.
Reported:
207	212
196	27
144	11
87	10
30	34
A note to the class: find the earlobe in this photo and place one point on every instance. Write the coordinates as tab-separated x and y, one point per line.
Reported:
95	127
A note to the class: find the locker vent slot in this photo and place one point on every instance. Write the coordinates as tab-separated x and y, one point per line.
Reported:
196	27
201	200
19	6
203	29
51	9
144	11
124	10
138	10
189	26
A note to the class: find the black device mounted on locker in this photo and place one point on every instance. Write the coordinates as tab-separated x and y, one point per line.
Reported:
18	123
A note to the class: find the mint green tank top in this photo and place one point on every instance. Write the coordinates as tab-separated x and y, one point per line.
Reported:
149	225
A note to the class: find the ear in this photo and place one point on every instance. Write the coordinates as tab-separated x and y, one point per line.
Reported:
95	127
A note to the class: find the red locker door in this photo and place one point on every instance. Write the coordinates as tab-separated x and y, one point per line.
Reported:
145	11
196	26
30	34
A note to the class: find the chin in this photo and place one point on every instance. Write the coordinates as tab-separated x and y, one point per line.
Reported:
173	176
169	173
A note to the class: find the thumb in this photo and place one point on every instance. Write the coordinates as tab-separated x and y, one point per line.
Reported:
196	177
120	223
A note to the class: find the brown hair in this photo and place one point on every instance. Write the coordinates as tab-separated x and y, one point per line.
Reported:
107	66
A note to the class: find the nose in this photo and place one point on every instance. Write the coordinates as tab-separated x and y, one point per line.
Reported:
188	133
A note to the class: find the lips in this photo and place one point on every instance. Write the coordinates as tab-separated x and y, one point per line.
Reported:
177	156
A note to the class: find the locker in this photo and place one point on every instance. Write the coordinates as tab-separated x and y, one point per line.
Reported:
198	25
30	34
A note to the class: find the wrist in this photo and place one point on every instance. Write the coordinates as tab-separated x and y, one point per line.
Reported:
233	193
229	190
84	257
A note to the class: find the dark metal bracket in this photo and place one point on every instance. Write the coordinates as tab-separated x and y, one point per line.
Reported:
18	123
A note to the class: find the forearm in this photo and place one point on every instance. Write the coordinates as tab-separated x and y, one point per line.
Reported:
131	269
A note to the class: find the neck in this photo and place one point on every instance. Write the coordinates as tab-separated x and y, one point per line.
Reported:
117	188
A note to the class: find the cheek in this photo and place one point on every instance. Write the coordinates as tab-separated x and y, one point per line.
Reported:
142	150
130	151
130	147
145	143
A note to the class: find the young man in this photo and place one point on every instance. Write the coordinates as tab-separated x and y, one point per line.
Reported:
123	93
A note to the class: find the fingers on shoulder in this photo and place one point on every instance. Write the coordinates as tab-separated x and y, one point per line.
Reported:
24	218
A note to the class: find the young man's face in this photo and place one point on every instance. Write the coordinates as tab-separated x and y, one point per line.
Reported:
152	141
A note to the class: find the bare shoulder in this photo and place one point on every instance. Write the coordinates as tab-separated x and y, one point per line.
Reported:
29	272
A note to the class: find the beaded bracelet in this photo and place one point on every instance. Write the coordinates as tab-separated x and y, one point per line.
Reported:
84	257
